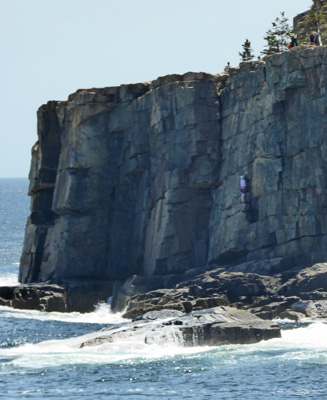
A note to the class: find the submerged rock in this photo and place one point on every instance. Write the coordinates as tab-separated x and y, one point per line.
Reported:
212	327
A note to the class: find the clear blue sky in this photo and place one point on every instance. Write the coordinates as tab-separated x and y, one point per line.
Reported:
51	48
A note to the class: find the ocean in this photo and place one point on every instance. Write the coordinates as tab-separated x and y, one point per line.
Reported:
41	358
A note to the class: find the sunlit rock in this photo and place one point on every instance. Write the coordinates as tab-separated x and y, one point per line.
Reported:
212	327
143	179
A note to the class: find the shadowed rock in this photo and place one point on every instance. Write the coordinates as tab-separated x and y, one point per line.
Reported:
34	297
66	297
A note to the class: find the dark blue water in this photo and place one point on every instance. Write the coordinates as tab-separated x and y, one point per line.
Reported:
14	210
41	358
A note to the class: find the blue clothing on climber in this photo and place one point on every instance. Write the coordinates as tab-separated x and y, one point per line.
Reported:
242	188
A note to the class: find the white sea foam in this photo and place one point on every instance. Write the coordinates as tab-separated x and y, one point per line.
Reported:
101	315
53	353
308	344
9	275
9	280
127	349
313	336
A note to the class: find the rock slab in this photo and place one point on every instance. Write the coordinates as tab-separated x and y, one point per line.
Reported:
212	327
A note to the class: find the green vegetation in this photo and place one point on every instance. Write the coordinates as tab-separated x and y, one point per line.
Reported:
317	16
276	37
247	53
316	20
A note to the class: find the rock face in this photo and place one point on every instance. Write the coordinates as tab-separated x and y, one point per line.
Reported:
131	159
212	327
144	179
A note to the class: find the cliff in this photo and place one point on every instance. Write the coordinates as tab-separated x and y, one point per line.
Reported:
144	178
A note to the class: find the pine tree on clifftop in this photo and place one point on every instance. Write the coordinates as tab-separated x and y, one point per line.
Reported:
246	55
317	18
276	37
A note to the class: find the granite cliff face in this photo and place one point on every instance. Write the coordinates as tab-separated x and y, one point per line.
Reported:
144	179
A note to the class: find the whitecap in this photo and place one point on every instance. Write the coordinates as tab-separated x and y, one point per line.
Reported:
101	315
9	275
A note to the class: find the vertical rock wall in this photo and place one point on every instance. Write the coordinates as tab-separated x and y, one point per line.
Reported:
43	172
132	192
273	132
144	179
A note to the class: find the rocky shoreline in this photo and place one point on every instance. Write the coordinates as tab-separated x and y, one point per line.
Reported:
266	296
216	307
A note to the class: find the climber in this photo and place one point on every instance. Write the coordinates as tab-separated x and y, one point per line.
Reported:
314	38
293	37
243	188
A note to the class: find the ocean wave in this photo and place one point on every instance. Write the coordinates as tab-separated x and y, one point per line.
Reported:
101	315
9	279
305	345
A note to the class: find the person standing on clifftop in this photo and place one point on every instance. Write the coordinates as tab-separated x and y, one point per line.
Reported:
243	188
293	37
314	38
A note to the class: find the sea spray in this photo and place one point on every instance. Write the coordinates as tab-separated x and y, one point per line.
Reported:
130	367
8	275
60	352
171	336
101	315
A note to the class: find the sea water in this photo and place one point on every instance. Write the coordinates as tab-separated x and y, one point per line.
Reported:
41	357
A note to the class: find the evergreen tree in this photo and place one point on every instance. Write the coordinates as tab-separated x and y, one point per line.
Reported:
316	16
246	55
316	19
276	37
